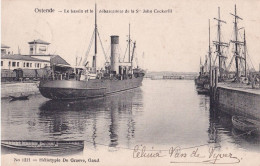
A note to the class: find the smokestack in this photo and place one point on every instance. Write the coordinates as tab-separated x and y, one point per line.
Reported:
115	54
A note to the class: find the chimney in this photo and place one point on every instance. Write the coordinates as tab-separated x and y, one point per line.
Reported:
115	54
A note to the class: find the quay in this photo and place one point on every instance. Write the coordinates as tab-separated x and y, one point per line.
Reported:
18	88
234	98
239	99
171	75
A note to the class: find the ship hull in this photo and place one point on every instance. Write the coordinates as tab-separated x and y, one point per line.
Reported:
72	89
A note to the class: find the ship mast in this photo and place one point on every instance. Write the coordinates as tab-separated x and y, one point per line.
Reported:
245	52
95	36
201	68
133	56
236	54
129	43
209	53
219	44
94	65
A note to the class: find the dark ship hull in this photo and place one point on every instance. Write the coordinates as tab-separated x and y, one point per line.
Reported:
73	89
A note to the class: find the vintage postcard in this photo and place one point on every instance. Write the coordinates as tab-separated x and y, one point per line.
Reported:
130	82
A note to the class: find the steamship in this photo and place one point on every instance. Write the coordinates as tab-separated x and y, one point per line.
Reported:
82	81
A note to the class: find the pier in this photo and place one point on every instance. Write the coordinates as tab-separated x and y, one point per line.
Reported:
234	98
239	99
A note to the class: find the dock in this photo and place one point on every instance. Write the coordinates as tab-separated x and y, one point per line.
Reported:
239	87
234	98
238	99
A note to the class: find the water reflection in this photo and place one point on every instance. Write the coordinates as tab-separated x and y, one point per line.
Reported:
221	130
88	119
160	113
213	121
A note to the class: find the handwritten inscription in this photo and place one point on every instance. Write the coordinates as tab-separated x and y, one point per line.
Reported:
193	155
140	152
216	157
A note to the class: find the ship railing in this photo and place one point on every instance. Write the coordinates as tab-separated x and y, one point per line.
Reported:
63	76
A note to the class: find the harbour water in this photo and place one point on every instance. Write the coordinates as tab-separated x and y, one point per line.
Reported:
161	113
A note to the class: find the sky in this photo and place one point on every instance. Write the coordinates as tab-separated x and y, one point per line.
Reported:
164	41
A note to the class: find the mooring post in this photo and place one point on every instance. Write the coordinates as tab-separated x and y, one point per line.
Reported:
212	73
216	78
212	78
216	84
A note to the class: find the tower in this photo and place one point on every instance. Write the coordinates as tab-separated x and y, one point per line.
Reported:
38	47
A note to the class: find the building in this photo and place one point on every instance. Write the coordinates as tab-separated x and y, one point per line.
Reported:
4	49
11	62
38	47
37	58
33	65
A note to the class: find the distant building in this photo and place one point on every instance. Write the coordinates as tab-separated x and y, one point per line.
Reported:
38	47
4	49
38	57
35	65
11	62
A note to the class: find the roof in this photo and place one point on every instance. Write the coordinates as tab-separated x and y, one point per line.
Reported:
56	59
21	57
39	55
38	41
4	46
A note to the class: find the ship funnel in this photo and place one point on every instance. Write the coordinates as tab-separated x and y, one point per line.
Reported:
114	59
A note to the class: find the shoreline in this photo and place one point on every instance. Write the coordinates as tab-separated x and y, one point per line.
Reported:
18	88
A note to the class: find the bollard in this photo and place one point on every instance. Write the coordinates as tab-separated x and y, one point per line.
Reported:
216	78
212	87
212	78
216	85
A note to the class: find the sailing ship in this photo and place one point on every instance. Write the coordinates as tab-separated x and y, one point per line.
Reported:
219	62
82	81
240	53
202	81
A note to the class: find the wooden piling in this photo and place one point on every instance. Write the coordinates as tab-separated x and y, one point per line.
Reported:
216	78
216	85
212	73
212	78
